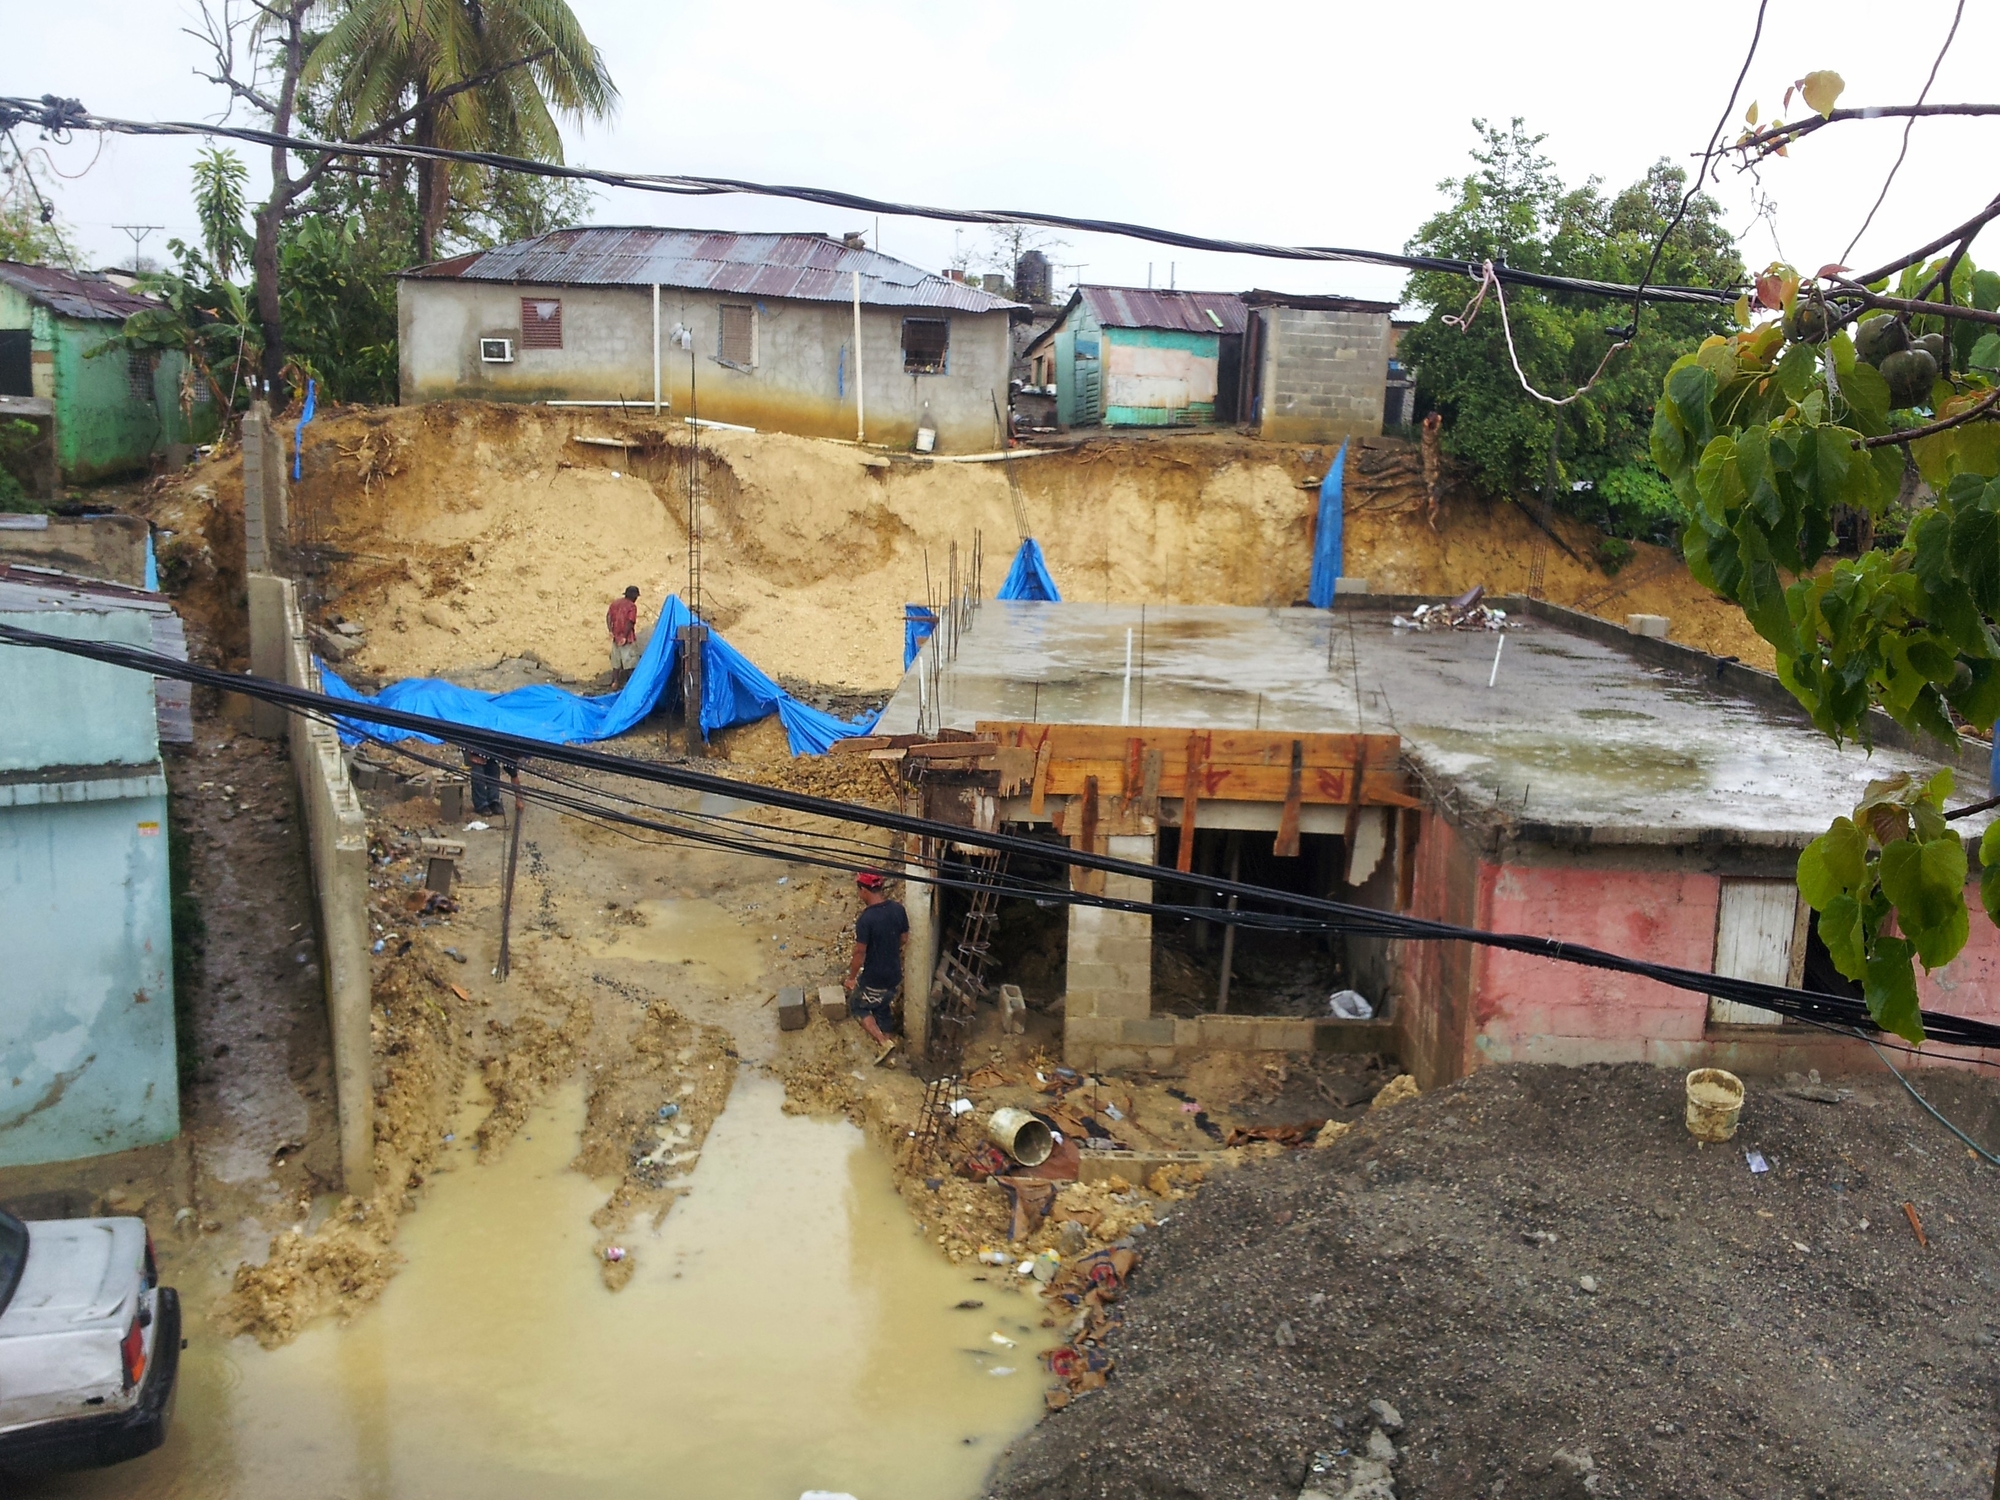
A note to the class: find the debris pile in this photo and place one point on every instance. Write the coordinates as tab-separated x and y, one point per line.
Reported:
1466	612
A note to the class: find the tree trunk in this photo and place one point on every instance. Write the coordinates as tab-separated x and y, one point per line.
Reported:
270	312
433	188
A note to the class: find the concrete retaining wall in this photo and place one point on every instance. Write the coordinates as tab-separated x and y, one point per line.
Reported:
337	846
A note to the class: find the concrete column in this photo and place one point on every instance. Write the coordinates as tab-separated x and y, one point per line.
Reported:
270	644
919	961
1108	1000
256	459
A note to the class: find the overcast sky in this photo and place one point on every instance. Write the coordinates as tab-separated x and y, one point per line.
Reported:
1326	124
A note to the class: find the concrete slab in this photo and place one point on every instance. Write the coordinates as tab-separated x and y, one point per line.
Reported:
1614	740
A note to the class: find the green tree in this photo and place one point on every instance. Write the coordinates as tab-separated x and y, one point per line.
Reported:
219	206
1515	208
474	75
30	232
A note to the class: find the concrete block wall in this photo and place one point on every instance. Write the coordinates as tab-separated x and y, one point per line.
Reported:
1110	968
337	846
1325	374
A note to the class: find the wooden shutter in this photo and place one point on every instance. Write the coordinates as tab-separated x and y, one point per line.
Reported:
1758	935
541	323
739	336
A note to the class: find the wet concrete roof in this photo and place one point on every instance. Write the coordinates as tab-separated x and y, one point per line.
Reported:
1581	738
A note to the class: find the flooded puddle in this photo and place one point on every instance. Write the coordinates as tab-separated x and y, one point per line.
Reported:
687	932
786	1330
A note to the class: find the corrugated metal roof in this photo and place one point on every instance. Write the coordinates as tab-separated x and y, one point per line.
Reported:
1148	307
805	267
74	294
29	590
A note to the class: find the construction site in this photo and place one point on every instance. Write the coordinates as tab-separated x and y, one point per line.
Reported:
1130	1207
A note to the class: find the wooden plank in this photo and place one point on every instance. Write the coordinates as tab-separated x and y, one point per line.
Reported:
1412	822
1040	793
1318	786
1353	839
1224	747
1090	882
1190	780
1286	845
1151	769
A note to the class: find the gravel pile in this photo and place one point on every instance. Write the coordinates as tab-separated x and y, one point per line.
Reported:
1552	1291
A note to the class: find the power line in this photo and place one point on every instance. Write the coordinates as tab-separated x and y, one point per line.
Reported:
62	117
1809	1006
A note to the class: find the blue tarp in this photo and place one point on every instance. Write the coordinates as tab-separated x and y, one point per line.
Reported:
1029	577
918	623
1327	537
733	692
299	433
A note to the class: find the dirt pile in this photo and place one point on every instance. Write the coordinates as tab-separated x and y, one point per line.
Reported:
461	533
1557	1293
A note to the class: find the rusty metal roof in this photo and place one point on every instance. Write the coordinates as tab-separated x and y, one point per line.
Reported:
74	294
1148	307
804	267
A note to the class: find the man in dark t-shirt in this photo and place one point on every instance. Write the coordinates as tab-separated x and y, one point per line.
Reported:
875	972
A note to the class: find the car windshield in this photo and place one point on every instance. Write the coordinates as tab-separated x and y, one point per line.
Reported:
13	1255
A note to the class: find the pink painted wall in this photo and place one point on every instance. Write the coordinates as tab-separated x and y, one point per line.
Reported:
1533	1009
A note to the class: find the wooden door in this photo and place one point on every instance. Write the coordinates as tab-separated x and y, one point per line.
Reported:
1760	935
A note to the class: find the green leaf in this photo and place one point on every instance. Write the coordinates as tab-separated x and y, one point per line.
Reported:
1867	398
1840	930
1821	89
1833	865
1975	554
1989	872
1986	353
1890	988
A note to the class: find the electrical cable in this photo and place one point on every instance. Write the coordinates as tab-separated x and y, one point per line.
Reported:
1808	1006
1970	1144
62	117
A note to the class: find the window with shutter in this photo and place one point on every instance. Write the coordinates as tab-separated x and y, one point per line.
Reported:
541	323
739	336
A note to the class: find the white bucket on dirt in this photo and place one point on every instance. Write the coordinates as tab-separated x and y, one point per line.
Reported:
1021	1136
1714	1103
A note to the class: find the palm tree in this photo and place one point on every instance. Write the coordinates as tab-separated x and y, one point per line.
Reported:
526	62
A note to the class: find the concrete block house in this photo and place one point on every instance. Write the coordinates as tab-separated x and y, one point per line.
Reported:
87	1053
106	410
782	332
1316	369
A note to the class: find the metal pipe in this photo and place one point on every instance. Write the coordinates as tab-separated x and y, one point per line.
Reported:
656	348
860	402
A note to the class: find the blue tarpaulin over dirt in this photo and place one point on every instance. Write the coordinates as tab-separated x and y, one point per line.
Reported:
733	692
1327	536
1029	577
918	623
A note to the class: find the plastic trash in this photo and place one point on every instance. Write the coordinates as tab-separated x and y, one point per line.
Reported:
477	827
1003	1341
668	1111
1046	1265
1349	1005
379	946
826	1495
1114	1111
993	1257
1001	1370
960	1107
1755	1161
614	1252
1025	1268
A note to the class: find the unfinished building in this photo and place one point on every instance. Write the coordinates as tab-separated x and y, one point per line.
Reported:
1559	777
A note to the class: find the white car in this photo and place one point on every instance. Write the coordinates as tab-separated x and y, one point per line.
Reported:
90	1344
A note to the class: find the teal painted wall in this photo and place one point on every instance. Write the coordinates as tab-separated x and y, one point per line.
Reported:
87	1009
1075	397
1143	364
58	710
105	425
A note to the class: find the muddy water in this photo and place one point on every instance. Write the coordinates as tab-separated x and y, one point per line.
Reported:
787	1330
697	933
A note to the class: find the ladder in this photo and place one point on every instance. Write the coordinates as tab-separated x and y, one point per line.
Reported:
962	970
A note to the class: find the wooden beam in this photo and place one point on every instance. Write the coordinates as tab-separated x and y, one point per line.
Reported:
1038	797
1090	882
1287	844
1191	779
1319	786
1353	821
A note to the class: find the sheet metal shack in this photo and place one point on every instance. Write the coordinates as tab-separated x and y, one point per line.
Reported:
1125	356
768	326
108	410
87	1009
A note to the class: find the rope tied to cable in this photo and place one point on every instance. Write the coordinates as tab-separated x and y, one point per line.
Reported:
1462	321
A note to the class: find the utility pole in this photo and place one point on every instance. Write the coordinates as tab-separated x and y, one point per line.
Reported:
137	234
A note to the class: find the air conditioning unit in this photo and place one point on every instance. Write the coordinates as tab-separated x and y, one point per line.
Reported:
496	351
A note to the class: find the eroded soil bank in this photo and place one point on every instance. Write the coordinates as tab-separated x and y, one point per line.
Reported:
1561	1294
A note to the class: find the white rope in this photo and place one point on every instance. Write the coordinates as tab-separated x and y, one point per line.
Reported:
1463	321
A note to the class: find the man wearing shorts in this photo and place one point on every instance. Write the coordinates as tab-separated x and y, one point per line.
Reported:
875	972
622	620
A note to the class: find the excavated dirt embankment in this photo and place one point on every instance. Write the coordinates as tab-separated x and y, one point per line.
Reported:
462	533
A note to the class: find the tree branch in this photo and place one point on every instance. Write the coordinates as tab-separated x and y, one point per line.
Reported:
1946	310
1931	429
1964	233
1768	140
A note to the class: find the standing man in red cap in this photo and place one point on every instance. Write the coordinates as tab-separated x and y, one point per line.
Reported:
875	972
622	620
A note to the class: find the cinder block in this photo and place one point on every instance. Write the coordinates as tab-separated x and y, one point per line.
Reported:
1153	1031
1654	626
1120	1059
1236	1033
791	1010
1124	1004
1013	1009
832	1003
1089	1031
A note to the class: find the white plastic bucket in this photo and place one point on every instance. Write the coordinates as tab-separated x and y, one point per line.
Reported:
1714	1104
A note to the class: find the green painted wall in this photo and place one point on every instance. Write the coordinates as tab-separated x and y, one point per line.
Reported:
105	424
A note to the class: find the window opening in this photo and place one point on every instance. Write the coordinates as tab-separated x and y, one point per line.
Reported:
738	342
541	323
926	341
139	375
